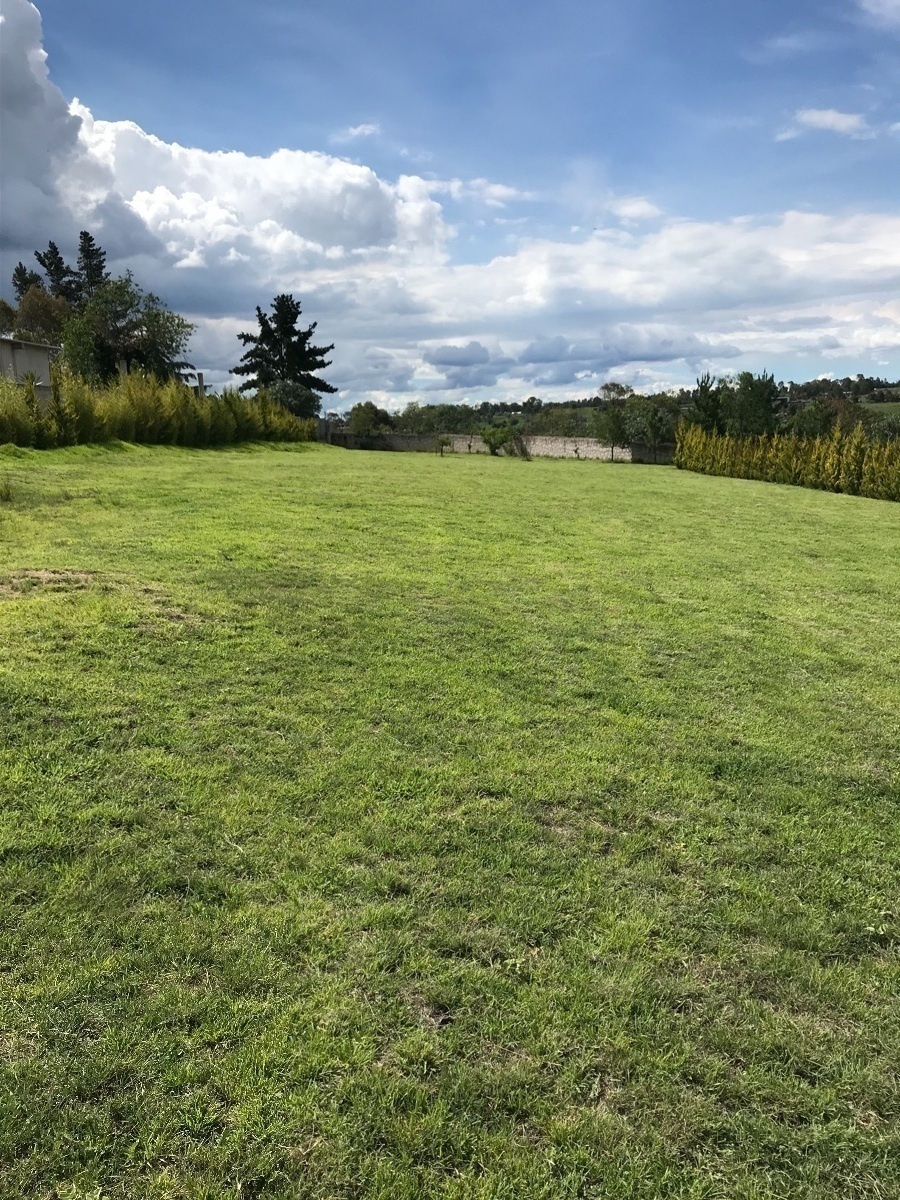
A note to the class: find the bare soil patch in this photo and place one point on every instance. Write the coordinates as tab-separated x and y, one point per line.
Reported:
27	583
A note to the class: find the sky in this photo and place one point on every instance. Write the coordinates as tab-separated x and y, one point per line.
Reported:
476	200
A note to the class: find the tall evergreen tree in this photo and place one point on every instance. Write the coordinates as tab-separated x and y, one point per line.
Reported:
750	407
62	279
281	351
707	402
23	278
92	272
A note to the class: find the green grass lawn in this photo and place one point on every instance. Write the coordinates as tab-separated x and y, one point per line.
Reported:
397	826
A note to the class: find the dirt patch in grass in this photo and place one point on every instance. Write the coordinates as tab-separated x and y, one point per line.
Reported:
28	583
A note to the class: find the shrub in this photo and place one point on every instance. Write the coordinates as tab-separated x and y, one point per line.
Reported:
853	462
495	437
16	422
140	408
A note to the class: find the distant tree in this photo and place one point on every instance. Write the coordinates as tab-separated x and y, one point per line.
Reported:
651	420
415	418
611	427
706	405
367	419
814	420
92	272
61	279
751	405
41	317
495	437
615	393
23	278
282	352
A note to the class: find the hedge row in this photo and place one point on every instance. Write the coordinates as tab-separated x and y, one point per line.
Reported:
851	462
140	408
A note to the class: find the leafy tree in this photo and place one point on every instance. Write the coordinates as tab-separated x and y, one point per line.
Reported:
615	393
8	316
814	420
495	437
100	321
122	323
41	317
367	419
92	272
23	278
281	351
611	427
651	420
62	279
162	338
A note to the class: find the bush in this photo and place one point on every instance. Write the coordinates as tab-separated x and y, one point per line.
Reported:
16	423
495	437
141	408
855	463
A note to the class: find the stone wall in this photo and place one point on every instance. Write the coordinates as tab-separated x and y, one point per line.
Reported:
424	443
465	443
539	446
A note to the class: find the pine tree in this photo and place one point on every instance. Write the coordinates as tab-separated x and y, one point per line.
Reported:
23	279
62	279
92	272
281	351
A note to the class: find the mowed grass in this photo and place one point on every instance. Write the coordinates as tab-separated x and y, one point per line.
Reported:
396	826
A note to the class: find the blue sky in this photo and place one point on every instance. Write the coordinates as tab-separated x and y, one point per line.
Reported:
479	199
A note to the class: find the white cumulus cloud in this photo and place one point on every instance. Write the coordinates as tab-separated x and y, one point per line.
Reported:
354	132
852	125
645	296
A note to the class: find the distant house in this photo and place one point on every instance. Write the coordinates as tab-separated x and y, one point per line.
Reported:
19	359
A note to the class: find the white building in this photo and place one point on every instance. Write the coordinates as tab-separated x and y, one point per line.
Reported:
18	359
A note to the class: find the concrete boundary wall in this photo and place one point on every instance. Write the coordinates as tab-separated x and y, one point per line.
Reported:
464	443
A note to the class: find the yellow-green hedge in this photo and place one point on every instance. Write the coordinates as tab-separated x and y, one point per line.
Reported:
850	462
141	408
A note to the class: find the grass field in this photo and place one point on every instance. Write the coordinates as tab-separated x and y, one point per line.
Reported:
890	408
401	826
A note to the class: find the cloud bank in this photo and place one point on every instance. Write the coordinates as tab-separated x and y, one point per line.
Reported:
380	263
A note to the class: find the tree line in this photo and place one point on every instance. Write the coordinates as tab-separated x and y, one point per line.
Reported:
745	405
99	320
